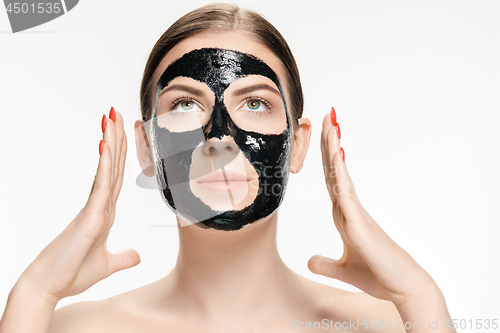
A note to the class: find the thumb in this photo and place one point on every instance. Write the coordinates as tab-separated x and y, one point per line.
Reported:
326	267
123	260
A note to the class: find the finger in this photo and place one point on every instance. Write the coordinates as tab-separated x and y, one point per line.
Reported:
332	146
327	124
326	171
326	154
327	267
119	133
333	143
344	191
323	158
123	260
323	149
109	137
356	274
121	169
101	188
330	140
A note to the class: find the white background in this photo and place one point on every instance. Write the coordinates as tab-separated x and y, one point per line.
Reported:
416	88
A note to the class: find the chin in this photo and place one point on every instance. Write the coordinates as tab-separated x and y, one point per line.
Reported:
223	224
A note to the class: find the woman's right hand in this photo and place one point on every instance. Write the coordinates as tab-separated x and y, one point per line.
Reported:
78	257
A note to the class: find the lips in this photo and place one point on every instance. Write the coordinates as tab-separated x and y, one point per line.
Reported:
219	181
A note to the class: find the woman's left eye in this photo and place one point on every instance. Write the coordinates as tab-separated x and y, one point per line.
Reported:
255	105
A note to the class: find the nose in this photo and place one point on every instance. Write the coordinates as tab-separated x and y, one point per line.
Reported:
217	148
220	152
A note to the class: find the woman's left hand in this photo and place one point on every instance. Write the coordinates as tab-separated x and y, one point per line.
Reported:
371	261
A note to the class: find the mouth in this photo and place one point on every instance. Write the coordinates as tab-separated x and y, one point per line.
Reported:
223	181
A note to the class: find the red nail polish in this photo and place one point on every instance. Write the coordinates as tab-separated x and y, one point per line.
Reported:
112	114
338	130
333	115
342	153
103	123
100	147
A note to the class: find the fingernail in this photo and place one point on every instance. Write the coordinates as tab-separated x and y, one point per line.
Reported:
100	147
333	115
103	123
338	130
342	153
112	114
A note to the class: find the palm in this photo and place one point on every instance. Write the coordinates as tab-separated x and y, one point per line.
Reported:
78	257
371	260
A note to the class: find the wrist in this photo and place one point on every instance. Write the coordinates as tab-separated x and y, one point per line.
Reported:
428	305
426	293
28	310
27	289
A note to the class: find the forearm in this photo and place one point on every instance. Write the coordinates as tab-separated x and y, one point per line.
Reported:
426	312
27	311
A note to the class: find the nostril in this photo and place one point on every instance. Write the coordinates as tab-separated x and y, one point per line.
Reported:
220	148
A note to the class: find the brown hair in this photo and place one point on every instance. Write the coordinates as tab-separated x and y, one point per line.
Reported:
221	17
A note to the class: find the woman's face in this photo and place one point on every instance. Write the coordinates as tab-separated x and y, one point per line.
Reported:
221	131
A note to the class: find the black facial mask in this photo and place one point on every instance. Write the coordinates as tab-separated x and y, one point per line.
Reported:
269	154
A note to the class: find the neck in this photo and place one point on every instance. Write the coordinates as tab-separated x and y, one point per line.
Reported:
237	271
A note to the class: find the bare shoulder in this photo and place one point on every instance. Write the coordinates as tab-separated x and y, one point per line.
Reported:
127	312
90	316
369	313
346	310
109	315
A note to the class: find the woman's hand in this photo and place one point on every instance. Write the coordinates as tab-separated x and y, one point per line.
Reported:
371	261
78	258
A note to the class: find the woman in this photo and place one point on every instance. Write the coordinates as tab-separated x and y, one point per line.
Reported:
240	114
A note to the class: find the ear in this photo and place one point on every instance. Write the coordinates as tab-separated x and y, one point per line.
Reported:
143	150
301	139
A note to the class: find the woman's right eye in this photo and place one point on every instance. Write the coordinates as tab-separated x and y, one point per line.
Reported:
185	106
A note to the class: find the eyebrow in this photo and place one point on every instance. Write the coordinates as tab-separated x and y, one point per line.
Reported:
255	87
181	87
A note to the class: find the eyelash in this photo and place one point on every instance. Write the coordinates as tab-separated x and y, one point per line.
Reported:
189	99
180	100
263	101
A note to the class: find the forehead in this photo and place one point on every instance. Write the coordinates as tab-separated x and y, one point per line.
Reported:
217	68
227	40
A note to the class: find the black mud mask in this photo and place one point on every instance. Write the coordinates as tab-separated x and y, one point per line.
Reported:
201	156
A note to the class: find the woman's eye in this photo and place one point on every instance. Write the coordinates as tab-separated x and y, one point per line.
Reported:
254	105
186	106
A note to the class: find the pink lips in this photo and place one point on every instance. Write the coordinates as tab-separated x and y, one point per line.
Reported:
216	182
